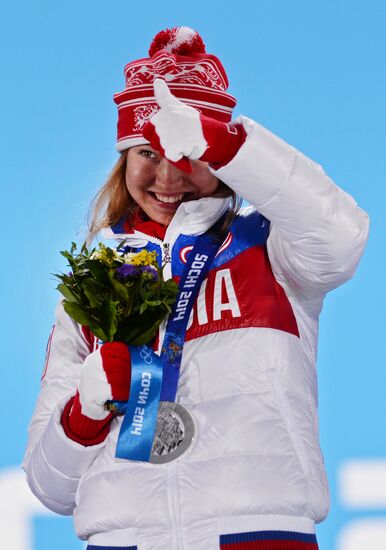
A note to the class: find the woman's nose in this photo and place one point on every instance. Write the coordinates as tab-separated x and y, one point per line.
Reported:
168	175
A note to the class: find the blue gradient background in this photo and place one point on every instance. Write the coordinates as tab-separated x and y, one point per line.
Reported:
310	71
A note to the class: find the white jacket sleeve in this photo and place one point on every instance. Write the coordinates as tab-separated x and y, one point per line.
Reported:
54	463
318	232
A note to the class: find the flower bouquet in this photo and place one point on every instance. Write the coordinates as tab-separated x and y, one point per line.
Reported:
121	296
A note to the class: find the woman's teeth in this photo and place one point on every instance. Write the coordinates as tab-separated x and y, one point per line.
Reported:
169	198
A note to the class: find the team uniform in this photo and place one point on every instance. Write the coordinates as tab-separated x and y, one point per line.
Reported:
254	476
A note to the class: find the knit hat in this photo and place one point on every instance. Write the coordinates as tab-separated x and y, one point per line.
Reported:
195	77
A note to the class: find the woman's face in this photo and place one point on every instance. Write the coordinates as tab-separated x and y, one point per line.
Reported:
158	187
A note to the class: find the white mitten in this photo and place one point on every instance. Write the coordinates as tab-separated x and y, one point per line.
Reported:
180	132
105	375
176	127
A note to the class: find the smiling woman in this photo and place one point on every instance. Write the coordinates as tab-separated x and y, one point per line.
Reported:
206	438
143	183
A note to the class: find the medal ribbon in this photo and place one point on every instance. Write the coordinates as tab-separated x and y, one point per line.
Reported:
137	431
196	269
154	378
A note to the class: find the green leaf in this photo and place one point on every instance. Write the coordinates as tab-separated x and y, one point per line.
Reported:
146	335
93	292
109	320
99	333
98	271
140	329
153	303
121	245
84	251
143	308
77	313
121	290
63	289
66	254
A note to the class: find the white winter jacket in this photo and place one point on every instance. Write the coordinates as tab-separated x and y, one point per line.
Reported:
247	376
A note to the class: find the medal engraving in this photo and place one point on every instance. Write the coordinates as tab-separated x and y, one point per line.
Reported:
174	433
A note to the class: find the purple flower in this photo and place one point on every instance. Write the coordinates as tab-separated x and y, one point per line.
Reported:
126	271
150	270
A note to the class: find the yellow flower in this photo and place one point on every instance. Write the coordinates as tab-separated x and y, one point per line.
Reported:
105	255
144	258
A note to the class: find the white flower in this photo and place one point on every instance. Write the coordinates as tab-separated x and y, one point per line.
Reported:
96	255
128	257
106	255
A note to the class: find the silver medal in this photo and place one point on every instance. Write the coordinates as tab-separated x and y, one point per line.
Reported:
174	433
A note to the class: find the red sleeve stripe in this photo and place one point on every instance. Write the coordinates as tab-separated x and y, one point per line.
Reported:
91	341
48	351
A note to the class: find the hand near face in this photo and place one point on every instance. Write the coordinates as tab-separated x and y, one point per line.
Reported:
175	130
180	132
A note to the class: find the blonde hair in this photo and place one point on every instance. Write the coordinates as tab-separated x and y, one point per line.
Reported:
113	201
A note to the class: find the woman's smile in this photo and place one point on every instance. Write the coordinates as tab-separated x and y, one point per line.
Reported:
168	199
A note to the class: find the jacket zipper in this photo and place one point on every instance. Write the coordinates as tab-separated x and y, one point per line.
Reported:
167	273
166	252
172	469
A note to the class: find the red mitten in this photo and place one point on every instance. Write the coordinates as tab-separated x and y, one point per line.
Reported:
81	428
105	375
224	141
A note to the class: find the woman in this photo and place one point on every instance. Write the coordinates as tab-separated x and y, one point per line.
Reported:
252	473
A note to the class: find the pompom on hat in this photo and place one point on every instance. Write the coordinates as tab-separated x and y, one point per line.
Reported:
195	77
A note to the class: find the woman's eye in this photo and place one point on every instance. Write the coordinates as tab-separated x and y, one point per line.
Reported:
148	154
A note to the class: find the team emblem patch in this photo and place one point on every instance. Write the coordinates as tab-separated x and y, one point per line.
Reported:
186	249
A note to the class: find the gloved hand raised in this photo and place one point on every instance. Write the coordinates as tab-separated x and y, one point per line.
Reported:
180	132
105	375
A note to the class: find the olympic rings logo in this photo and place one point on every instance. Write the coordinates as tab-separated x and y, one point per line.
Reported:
146	355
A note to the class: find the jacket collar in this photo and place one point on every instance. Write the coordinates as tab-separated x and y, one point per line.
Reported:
191	218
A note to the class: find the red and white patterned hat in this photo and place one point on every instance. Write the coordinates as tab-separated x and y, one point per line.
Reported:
197	78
